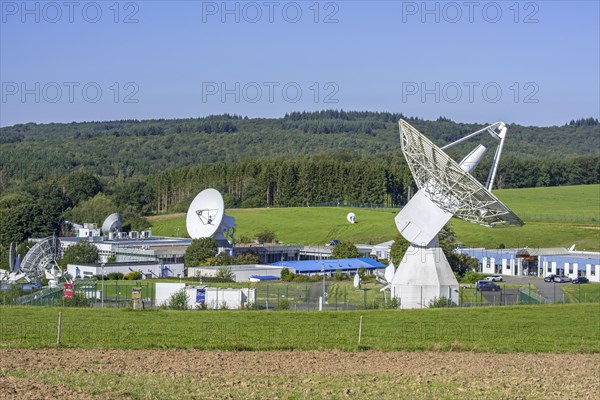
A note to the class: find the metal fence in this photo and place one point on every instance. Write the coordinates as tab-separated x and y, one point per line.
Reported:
305	296
92	293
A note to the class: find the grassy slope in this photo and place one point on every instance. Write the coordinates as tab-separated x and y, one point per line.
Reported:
589	292
557	216
496	329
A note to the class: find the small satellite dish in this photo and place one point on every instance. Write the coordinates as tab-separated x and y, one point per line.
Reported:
356	281
112	223
390	270
206	216
351	217
12	258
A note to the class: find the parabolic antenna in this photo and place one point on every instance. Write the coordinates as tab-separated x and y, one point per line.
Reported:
449	185
351	217
42	257
112	223
206	216
12	258
356	281
386	277
446	189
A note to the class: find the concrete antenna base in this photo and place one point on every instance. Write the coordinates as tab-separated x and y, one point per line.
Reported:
424	275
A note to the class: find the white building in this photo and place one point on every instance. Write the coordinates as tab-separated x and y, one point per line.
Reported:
139	248
152	269
207	297
242	273
537	262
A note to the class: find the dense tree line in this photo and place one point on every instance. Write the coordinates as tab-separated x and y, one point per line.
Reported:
313	180
44	208
134	149
285	183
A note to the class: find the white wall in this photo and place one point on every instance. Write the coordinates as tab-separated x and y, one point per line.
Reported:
241	273
218	298
164	290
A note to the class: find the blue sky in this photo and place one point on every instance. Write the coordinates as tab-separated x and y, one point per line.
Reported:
533	63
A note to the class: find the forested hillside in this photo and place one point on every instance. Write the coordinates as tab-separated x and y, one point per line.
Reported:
81	172
128	149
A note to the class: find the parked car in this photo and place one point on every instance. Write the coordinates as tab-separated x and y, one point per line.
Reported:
580	279
487	285
562	279
549	278
494	278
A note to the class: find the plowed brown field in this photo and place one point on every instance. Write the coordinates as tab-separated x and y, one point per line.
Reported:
160	374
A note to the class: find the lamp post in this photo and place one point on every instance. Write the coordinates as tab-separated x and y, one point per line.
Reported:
323	270
102	298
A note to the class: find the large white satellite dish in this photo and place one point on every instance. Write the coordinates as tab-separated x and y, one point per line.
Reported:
446	189
43	256
206	217
112	223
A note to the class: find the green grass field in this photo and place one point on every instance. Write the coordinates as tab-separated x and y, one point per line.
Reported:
582	293
556	216
529	329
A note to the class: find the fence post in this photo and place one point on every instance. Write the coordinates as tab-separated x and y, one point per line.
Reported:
59	326
360	330
345	298
307	296
336	297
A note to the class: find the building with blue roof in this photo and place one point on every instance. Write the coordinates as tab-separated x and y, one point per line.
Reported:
318	267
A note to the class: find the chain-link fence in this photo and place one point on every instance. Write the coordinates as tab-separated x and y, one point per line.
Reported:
304	296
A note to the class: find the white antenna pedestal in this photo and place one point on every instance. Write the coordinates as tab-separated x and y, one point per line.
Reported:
424	275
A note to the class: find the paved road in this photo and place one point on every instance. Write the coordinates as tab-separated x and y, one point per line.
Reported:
549	290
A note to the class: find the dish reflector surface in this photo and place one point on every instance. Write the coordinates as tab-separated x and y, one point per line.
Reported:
205	214
448	186
112	223
42	256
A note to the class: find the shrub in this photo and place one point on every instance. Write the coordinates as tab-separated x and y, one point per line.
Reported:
178	300
338	275
472	277
368	278
114	276
393	303
286	275
440	302
133	276
266	236
283	305
300	278
225	274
